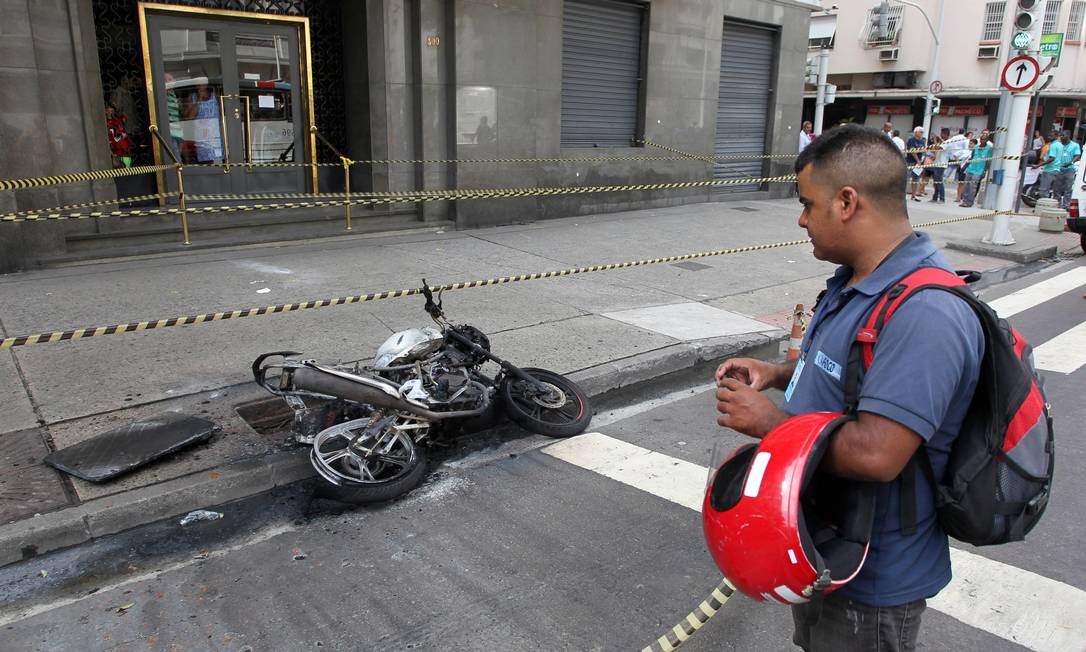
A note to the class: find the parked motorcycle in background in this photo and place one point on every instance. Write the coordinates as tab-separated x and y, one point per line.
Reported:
369	426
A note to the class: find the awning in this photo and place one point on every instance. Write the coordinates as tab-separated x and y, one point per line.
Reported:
822	27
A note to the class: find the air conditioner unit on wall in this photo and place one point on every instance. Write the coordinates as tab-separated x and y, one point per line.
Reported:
988	52
889	54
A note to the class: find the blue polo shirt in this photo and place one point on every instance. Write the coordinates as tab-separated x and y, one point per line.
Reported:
923	375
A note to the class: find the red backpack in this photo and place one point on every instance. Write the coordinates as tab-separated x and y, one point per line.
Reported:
999	476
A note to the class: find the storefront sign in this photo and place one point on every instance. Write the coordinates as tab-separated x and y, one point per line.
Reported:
1051	44
1067	112
889	109
963	109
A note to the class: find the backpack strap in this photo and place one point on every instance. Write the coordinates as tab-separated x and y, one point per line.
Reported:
862	352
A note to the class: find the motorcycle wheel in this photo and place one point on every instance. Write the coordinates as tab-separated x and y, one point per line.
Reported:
1030	194
368	460
563	413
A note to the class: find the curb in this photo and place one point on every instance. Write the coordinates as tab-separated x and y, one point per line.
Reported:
249	477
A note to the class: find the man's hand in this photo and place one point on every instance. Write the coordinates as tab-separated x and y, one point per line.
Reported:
756	374
745	410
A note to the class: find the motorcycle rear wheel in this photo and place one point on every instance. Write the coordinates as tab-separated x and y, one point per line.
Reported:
361	463
565	412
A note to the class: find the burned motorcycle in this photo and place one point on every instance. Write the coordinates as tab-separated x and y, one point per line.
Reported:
425	386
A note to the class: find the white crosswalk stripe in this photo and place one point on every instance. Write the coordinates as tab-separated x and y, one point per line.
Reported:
1064	353
1031	610
1038	293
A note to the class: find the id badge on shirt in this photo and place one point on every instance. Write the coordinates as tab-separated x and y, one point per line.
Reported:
795	380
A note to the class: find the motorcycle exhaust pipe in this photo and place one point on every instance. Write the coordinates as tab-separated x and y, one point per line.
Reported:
377	394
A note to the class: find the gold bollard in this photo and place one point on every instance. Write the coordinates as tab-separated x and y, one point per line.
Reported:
347	187
181	204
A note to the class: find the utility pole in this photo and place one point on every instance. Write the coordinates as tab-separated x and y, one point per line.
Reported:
820	99
938	36
928	109
1028	21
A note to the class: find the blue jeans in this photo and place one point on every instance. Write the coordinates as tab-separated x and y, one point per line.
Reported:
937	175
849	625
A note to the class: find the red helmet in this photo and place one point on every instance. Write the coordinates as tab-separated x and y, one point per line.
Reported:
778	529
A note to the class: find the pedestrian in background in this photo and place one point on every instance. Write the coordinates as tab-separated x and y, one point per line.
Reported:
977	168
913	398
806	135
896	137
119	146
915	160
1065	180
937	171
953	145
1049	165
963	158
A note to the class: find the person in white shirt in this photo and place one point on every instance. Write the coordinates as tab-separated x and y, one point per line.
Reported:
806	135
952	146
896	137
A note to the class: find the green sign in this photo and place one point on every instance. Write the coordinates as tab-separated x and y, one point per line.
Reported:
1051	45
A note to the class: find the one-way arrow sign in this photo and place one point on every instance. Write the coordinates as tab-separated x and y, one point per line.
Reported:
1020	73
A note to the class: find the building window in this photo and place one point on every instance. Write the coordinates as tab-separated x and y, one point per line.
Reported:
1052	16
822	32
883	30
601	73
1074	21
993	21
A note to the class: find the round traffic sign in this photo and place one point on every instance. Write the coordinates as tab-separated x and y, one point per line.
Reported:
1020	73
1021	40
936	87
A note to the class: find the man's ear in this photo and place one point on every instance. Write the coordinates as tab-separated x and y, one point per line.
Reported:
848	200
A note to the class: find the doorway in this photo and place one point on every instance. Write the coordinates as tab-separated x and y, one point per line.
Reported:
229	92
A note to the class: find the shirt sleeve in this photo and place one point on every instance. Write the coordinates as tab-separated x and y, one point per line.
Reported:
928	356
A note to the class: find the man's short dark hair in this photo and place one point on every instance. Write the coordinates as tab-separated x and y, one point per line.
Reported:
861	157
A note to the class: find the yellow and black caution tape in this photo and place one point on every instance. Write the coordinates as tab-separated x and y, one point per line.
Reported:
83	333
694	620
52	213
393	198
96	331
76	177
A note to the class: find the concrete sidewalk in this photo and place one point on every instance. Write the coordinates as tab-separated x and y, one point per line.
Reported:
607	329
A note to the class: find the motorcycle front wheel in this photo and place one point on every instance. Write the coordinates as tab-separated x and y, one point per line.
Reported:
1030	194
369	460
562	410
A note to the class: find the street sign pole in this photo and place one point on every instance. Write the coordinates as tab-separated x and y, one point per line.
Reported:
1012	78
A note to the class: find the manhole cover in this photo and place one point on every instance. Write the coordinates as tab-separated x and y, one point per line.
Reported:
693	267
27	486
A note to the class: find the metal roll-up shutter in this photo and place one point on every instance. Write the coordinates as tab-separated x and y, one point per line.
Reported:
747	57
601	72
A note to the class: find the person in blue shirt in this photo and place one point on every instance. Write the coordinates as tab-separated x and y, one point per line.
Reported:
977	168
1065	176
1050	167
915	393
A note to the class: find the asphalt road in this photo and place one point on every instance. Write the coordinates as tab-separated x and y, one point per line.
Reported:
508	547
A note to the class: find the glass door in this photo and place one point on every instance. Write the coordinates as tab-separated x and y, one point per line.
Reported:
226	93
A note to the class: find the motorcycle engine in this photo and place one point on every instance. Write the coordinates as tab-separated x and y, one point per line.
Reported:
443	389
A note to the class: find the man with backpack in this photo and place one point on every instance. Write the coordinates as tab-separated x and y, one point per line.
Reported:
913	395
